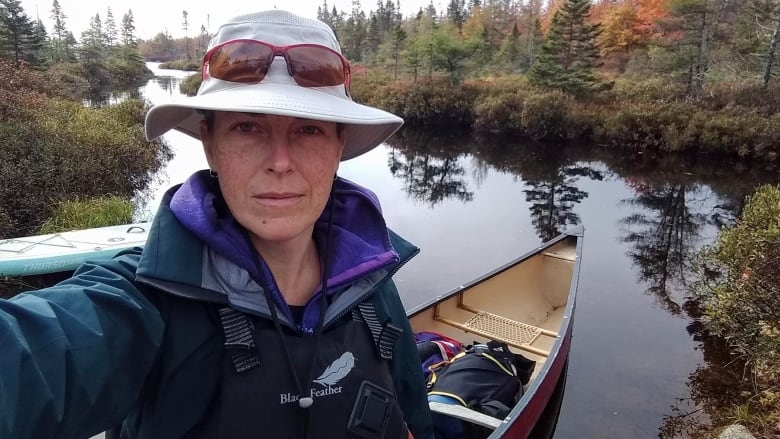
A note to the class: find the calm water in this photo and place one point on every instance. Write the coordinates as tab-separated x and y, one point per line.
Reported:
472	203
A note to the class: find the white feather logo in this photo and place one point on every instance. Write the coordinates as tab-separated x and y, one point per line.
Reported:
337	370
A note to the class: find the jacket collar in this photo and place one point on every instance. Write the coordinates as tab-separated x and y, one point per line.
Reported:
193	225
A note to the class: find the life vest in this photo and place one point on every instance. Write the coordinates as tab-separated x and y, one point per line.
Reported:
353	390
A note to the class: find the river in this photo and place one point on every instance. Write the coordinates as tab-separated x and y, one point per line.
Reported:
474	202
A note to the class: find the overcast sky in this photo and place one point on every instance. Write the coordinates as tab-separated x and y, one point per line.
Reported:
153	16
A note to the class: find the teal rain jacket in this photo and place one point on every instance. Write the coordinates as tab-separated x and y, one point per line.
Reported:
138	339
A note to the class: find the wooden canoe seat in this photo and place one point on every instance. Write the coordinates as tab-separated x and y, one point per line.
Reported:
465	413
495	327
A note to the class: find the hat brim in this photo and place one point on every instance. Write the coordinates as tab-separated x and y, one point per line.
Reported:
366	127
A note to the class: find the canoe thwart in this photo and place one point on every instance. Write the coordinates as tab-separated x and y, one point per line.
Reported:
495	327
465	413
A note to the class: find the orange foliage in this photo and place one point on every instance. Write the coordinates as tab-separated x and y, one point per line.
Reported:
648	12
636	16
552	7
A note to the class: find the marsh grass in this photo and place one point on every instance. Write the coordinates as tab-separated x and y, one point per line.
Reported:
80	214
55	149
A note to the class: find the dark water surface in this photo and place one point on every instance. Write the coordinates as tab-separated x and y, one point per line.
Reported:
474	202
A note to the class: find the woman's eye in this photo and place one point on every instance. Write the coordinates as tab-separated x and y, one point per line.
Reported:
310	129
245	127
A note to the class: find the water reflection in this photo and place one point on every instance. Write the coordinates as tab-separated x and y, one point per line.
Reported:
430	165
169	84
663	232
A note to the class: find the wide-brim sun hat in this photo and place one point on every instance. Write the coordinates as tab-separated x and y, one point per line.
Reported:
278	93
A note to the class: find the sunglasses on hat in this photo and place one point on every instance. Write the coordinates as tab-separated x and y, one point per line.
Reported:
248	61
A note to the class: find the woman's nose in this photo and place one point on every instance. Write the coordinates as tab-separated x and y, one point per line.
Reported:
279	159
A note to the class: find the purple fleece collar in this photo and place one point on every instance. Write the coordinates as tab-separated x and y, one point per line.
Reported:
360	243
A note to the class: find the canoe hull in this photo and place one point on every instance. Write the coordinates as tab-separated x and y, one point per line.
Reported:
528	303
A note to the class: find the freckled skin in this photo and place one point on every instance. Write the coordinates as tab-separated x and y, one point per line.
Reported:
275	172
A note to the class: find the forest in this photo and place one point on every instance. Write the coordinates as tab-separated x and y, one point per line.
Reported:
696	76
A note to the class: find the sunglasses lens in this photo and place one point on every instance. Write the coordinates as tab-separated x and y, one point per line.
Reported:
315	66
240	62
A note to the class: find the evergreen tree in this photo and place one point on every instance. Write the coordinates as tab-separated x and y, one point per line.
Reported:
93	54
702	30
509	54
570	53
111	31
59	39
456	12
128	29
185	25
18	39
323	14
769	58
203	39
399	36
41	46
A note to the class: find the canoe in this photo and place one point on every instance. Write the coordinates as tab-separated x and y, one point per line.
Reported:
57	252
528	304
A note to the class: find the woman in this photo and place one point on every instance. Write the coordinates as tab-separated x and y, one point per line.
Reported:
262	304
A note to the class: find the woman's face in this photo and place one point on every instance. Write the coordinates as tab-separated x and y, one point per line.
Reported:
275	172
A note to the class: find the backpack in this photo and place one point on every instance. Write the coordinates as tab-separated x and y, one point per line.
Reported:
434	349
487	377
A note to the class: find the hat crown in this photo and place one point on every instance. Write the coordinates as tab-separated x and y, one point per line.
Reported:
278	93
280	28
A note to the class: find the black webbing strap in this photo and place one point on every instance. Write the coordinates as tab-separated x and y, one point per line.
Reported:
384	336
238	339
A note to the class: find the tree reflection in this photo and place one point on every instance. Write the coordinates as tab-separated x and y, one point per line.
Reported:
663	236
168	83
553	199
551	175
430	165
664	232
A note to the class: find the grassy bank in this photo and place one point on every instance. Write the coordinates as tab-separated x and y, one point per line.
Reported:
740	294
55	149
634	115
190	66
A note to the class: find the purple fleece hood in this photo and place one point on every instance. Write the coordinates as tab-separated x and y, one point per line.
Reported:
360	242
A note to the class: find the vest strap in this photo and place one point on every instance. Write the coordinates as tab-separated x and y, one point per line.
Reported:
384	336
239	342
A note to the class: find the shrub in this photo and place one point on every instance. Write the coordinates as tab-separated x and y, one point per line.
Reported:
539	115
181	64
632	127
365	84
189	86
77	214
646	90
743	304
428	102
54	149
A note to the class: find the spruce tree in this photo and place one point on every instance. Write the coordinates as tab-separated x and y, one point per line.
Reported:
59	37
18	40
111	31
128	29
570	52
